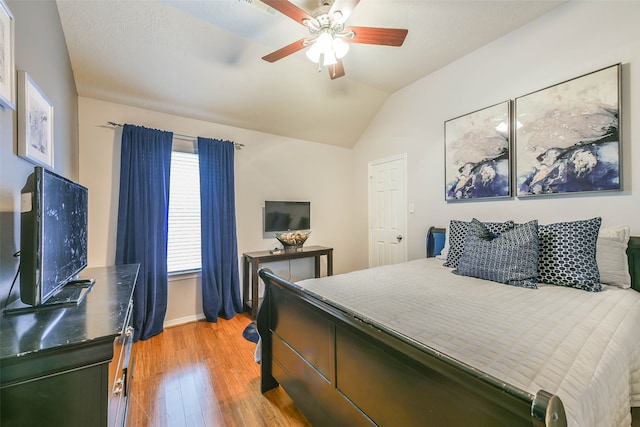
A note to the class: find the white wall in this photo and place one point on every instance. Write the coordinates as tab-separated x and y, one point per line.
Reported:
268	168
577	38
40	50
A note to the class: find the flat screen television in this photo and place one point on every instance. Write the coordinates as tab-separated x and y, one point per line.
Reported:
53	235
283	216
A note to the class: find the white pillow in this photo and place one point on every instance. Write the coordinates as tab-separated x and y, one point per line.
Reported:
611	256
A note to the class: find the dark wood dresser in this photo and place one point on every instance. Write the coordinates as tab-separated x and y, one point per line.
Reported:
71	366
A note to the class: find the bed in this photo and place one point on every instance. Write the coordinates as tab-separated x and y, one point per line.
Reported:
356	349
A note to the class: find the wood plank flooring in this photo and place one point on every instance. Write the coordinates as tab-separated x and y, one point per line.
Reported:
204	374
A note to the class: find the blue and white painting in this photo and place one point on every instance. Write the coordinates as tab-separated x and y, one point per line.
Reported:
567	136
477	154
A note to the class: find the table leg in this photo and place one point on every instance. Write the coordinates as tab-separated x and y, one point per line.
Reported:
254	289
330	263
245	282
317	270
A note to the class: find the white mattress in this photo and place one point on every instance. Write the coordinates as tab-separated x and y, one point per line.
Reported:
582	346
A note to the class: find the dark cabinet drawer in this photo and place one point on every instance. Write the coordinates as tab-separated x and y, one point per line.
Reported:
120	374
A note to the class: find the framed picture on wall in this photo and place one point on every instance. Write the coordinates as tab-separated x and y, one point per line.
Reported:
478	154
567	136
35	122
7	67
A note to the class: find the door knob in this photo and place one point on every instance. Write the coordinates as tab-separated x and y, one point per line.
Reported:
399	237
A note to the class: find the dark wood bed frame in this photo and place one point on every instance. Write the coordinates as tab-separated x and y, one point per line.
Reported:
342	371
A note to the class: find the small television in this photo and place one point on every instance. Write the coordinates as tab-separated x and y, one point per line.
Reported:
283	216
53	235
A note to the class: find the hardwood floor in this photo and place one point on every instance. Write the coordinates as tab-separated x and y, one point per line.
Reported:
203	374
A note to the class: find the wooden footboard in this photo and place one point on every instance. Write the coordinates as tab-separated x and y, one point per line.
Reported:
340	370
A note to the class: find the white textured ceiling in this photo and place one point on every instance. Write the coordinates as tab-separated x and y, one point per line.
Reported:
202	58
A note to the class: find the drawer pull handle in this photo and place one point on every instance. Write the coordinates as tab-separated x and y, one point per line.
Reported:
118	386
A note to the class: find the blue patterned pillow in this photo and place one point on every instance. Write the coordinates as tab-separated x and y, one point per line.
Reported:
509	257
458	233
568	254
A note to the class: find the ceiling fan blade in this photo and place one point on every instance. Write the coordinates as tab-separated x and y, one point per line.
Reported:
285	51
336	70
291	10
371	35
345	7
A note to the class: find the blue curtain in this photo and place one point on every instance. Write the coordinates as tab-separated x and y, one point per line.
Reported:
142	222
220	277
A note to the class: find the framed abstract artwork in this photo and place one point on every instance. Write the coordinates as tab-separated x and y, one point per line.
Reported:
567	136
478	154
7	67
35	122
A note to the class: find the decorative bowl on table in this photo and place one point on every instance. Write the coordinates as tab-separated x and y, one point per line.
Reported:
292	239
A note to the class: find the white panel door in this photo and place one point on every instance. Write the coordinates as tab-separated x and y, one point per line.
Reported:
387	211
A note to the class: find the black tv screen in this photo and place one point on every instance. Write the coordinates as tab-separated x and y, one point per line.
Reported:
53	234
283	216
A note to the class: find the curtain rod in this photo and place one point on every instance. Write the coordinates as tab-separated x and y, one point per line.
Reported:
237	145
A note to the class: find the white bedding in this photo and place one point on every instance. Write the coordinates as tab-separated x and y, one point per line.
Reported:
582	346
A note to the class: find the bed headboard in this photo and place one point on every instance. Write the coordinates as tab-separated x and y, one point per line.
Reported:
633	253
436	239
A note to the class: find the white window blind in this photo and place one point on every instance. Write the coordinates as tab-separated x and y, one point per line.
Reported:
183	247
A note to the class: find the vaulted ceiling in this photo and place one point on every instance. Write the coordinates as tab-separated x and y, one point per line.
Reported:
202	58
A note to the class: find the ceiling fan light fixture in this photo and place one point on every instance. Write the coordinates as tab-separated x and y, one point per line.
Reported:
324	41
340	47
313	53
322	45
329	58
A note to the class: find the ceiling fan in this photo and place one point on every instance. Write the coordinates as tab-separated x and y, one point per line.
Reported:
329	38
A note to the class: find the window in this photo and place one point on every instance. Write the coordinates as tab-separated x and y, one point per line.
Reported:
183	246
